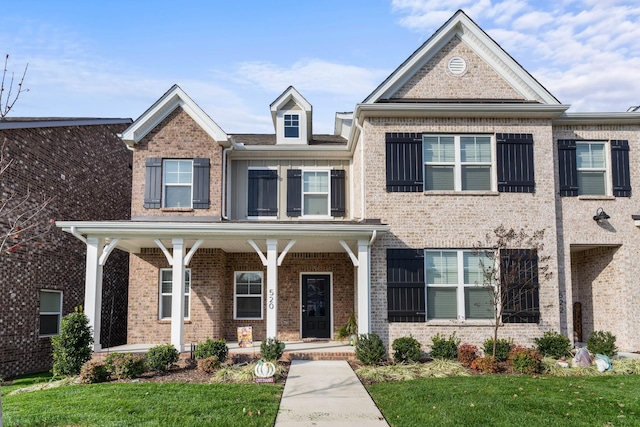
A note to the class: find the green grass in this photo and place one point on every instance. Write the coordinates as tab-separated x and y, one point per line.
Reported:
26	381
144	404
511	400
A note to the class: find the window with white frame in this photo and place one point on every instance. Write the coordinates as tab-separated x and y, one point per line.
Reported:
177	183
248	295
455	289
50	312
592	168
166	287
315	193
457	162
291	126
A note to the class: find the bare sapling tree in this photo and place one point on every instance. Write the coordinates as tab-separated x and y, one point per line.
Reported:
22	212
512	264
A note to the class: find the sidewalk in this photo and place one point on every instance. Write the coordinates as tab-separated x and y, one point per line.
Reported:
326	393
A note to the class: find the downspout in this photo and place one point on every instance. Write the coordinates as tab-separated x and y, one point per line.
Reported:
225	204
362	182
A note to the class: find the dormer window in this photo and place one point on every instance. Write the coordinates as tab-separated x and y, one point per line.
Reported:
291	126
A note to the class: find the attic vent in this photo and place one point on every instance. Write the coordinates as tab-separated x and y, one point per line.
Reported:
457	66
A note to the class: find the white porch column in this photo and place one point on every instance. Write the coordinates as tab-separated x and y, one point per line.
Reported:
93	288
272	288
177	295
364	296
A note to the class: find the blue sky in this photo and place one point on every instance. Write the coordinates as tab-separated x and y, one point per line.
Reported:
114	59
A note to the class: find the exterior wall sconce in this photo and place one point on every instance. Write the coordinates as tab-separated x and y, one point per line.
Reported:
600	216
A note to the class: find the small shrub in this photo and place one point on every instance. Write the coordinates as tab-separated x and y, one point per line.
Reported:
487	365
552	344
210	348
72	346
445	348
93	372
525	360
467	353
161	357
601	342
209	364
503	347
406	349
125	365
271	349
370	350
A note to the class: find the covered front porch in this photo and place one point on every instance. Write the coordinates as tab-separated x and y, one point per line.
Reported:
295	263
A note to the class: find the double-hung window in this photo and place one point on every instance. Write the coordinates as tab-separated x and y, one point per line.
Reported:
315	193
456	285
592	168
291	126
50	312
457	162
248	295
177	183
166	288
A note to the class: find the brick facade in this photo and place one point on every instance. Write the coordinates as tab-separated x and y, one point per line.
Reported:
86	170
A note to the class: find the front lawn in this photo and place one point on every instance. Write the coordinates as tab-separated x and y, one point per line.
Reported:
148	404
501	400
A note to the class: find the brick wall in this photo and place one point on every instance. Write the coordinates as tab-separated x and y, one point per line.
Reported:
86	169
178	136
459	221
212	294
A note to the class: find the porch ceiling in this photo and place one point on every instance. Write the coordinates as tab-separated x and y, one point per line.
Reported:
231	237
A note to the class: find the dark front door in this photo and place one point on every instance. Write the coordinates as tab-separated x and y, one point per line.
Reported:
316	308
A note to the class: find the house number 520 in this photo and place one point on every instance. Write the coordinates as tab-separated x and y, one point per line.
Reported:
272	297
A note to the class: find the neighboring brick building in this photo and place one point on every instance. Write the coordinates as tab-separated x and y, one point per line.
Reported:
84	168
291	232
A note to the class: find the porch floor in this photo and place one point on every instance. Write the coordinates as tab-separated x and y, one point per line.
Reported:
293	350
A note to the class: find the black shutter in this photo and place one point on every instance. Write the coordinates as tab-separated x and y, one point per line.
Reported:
515	162
568	167
294	192
404	162
338	197
620	168
405	285
519	278
263	193
201	170
153	183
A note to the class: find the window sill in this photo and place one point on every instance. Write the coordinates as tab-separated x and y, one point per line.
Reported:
461	193
168	322
248	319
176	209
455	322
596	197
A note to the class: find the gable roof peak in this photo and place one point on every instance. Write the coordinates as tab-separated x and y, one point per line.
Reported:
173	98
462	26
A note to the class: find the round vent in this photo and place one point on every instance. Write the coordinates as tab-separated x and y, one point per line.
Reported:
457	66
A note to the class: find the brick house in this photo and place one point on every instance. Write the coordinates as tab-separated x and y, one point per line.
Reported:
292	232
83	166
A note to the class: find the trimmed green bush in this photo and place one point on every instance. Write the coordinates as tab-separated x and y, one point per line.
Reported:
445	347
552	344
209	364
72	346
602	342
370	350
406	349
467	353
503	347
271	349
210	347
125	365
525	360
93	372
162	357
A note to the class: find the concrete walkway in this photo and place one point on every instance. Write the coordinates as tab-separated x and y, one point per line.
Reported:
326	393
